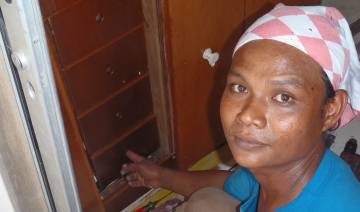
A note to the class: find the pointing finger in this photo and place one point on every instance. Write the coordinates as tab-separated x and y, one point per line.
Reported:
134	157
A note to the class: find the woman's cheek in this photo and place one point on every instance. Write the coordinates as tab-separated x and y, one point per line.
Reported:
227	111
288	123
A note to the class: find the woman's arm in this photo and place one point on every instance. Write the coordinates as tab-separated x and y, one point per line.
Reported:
143	172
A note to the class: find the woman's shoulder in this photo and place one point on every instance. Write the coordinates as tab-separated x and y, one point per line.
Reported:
241	175
241	184
333	188
340	173
339	185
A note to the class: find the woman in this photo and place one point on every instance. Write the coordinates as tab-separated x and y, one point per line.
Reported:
278	104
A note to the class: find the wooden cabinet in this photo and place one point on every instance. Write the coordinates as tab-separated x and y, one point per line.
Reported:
130	75
193	26
100	61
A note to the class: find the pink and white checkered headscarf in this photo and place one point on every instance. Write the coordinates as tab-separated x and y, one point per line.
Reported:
322	33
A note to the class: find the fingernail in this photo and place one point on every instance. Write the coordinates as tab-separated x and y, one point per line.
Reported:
122	172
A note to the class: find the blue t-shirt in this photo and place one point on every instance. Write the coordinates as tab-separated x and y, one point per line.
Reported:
332	188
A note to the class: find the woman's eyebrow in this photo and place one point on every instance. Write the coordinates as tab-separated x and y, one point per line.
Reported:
293	82
236	74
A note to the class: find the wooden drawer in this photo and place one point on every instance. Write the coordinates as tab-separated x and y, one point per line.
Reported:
108	122
89	24
108	165
105	72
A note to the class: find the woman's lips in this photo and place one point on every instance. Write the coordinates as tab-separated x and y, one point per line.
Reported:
247	144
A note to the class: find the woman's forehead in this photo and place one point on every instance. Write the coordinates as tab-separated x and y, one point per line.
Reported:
268	58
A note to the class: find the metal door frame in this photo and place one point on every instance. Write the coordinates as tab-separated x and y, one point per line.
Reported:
33	80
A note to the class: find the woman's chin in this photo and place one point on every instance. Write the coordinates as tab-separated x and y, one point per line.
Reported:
248	154
248	163
249	159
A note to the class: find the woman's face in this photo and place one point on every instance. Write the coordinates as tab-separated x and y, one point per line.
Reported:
271	109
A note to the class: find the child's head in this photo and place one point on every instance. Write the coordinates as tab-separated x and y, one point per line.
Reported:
278	101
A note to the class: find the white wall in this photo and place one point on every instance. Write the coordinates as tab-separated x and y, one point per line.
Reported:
5	203
344	134
349	8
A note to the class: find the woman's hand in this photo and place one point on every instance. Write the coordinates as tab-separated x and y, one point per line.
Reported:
142	172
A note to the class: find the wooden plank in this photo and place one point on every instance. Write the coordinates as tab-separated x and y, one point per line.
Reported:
159	76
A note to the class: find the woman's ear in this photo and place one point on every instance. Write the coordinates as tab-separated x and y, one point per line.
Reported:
334	107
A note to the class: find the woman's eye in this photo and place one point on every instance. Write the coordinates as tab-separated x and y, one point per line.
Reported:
238	88
283	98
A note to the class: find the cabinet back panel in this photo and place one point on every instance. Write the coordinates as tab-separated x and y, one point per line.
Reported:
107	71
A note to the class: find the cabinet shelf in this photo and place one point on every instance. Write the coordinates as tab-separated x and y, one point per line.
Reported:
108	98
118	140
106	45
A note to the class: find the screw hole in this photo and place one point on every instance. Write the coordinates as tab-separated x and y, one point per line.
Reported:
31	90
99	18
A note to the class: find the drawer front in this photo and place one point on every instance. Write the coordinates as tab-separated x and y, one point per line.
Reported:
111	120
107	71
108	165
49	7
90	24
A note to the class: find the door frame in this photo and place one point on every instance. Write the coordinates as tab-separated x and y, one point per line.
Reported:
37	100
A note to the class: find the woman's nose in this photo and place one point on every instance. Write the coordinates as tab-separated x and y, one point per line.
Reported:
252	113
